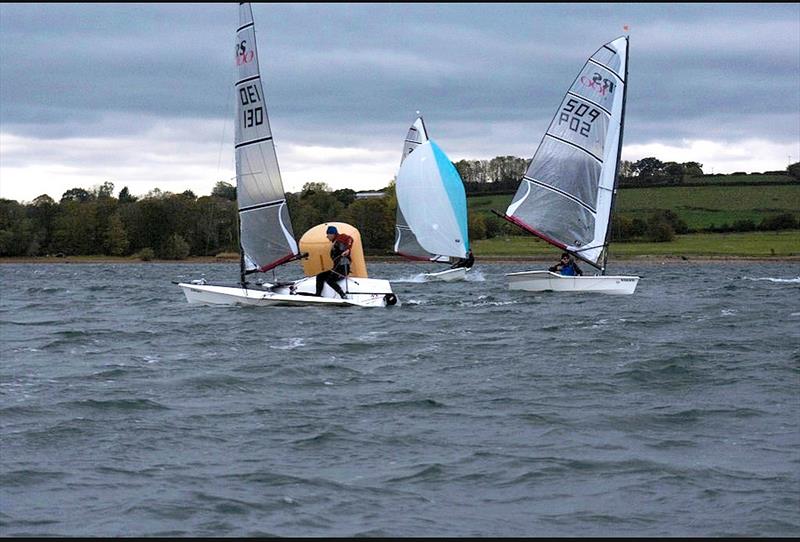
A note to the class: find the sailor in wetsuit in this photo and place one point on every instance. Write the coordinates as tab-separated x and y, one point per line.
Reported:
567	266
464	262
340	254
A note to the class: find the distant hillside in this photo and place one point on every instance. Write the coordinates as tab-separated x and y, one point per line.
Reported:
703	207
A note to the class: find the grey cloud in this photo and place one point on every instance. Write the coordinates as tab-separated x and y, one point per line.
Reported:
338	72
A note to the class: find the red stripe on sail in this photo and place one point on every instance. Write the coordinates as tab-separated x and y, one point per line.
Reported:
414	258
276	263
540	235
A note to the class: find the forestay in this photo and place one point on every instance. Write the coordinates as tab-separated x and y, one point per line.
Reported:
431	202
267	239
567	192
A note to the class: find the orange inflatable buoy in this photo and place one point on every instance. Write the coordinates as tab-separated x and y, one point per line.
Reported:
318	247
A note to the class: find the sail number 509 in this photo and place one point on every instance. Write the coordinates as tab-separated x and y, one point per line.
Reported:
573	114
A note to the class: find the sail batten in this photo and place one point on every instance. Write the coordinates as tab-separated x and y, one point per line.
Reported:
615	74
245	143
571	144
266	235
566	194
562	193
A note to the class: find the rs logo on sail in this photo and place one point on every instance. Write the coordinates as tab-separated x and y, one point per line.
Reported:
243	56
598	83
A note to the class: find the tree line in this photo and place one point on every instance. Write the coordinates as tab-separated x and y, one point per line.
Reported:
165	225
173	226
503	173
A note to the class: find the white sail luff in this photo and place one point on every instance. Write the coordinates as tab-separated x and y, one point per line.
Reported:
417	135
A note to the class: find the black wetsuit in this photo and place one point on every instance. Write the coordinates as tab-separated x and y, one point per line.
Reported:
464	262
341	265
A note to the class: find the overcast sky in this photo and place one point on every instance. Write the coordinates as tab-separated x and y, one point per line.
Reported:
142	94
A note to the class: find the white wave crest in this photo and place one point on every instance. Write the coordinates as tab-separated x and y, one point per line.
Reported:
416	278
795	280
292	343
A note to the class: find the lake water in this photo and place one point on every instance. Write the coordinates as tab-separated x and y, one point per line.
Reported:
469	410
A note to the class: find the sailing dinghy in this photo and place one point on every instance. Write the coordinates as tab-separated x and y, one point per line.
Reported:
567	193
266	237
431	206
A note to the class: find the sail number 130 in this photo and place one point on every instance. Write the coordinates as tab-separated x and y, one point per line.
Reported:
574	114
252	116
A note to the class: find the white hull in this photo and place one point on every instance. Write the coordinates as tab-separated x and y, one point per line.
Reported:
448	275
542	281
361	292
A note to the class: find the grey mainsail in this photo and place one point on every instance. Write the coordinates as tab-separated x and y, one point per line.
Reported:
567	192
266	235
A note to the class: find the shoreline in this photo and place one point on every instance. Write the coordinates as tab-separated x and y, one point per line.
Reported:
643	259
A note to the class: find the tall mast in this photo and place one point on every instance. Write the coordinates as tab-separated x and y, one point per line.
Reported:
619	154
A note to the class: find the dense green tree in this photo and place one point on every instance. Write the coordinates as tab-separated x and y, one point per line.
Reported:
496	226
43	212
214	228
105	190
659	230
16	230
692	169
626	169
648	167
476	226
501	173
794	170
224	190
345	196
125	196
75	228
375	222
313	187
316	204
673	172
174	248
77	194
782	221
115	238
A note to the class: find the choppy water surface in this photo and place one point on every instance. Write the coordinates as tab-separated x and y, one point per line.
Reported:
470	410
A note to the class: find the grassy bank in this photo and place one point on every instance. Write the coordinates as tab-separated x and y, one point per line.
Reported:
701	207
783	244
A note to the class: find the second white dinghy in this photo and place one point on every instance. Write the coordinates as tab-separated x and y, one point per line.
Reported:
567	193
543	281
431	208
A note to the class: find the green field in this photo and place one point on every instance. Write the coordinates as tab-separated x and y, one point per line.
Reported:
752	178
781	244
701	207
485	204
